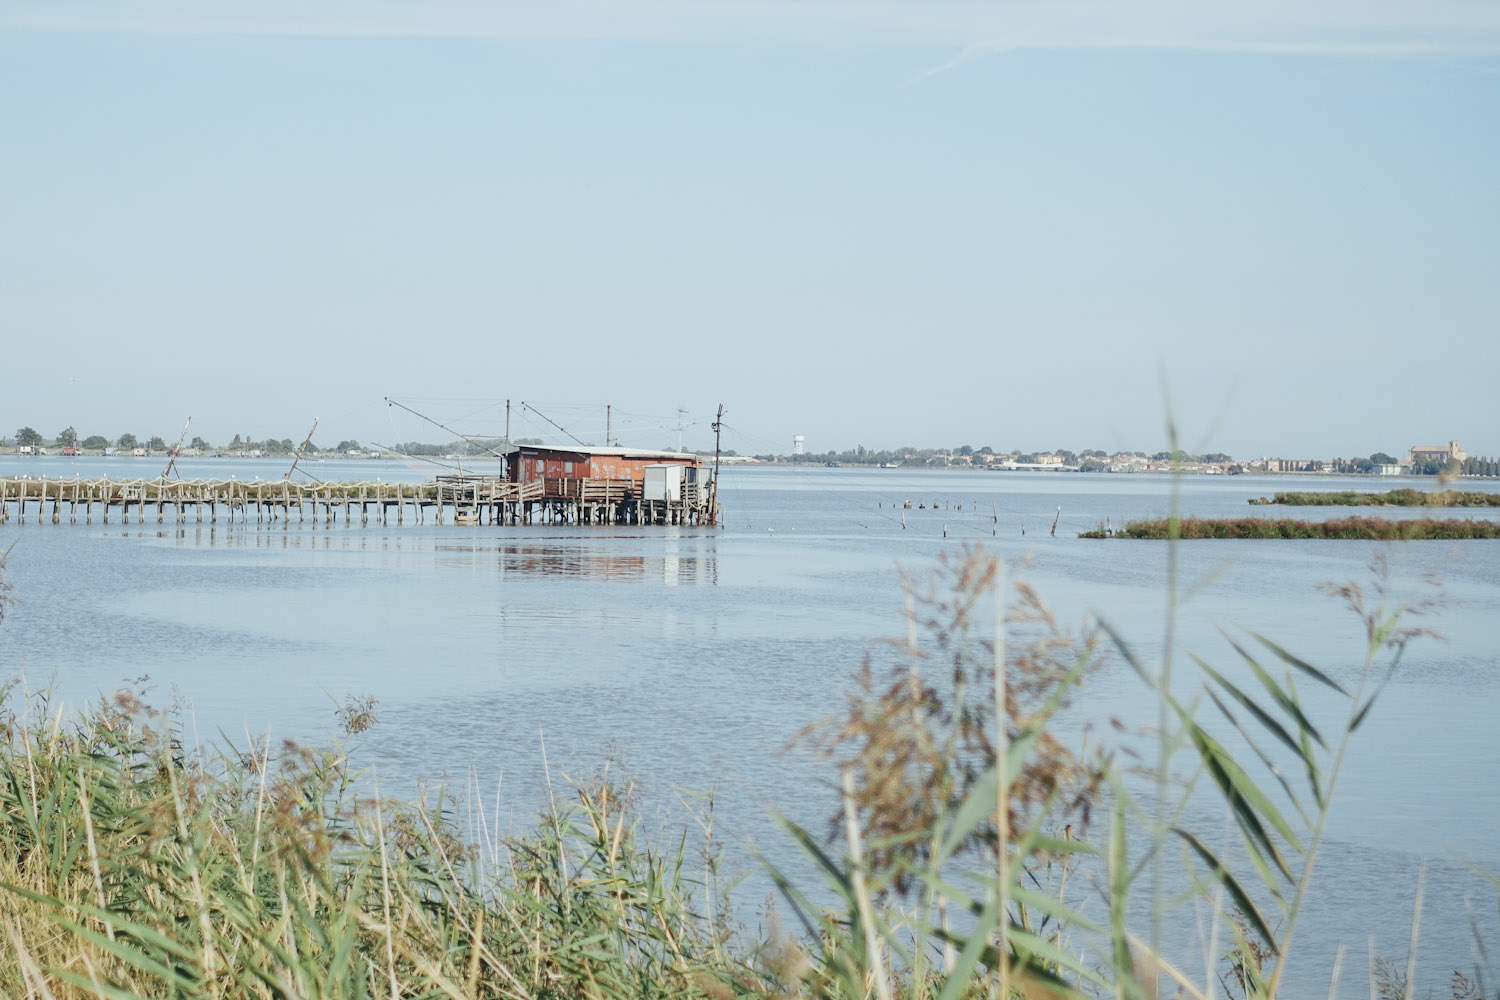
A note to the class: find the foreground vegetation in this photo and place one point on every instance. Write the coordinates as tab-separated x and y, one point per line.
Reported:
1369	529
135	868
972	853
1393	498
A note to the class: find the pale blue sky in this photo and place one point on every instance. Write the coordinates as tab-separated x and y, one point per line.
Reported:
868	223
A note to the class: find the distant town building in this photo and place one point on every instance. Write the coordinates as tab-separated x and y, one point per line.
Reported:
1293	465
798	444
1421	454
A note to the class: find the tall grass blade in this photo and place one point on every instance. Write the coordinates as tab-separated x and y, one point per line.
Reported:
1221	873
1300	664
1245	797
1266	720
1265	759
1282	697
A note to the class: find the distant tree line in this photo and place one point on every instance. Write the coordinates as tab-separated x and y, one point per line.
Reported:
29	437
70	438
1087	460
1471	466
1474	466
477	447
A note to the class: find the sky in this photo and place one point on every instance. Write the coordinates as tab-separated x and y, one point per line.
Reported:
1027	224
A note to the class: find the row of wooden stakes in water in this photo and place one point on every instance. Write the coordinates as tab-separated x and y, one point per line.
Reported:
468	500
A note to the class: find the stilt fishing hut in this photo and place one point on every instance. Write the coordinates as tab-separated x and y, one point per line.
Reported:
595	484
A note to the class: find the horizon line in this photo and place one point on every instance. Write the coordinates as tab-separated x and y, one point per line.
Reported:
1371	29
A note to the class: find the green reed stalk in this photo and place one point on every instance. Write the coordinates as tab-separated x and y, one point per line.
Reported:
1002	791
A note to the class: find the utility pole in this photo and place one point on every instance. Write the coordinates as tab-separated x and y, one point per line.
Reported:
713	487
507	439
608	413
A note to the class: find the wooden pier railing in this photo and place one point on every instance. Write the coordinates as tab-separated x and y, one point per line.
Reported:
464	499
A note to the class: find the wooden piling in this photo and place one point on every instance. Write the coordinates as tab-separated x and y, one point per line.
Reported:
470	500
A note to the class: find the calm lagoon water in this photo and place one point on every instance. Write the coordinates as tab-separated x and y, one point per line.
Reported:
697	654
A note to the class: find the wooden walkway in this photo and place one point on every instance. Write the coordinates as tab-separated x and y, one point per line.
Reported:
455	499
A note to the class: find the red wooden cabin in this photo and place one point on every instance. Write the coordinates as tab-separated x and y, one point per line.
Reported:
532	463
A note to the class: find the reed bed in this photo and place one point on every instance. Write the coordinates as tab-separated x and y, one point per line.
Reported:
1369	529
1394	498
135	868
970	853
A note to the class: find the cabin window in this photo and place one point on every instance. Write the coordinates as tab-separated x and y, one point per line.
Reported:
568	468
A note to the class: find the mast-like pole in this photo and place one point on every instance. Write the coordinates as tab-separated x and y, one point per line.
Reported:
549	420
469	438
305	442
172	459
713	490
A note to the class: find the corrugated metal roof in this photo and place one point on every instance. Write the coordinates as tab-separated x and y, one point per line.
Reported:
537	449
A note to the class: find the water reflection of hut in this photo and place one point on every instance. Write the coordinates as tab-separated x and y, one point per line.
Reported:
690	567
